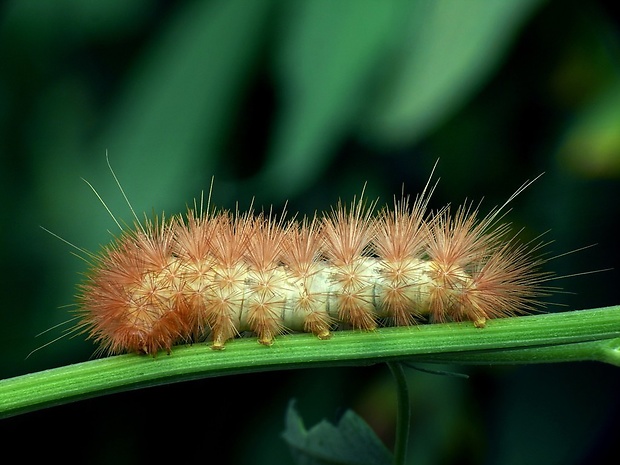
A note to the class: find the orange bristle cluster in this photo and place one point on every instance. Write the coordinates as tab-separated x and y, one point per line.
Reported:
217	274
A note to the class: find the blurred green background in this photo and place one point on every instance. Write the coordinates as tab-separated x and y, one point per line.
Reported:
305	101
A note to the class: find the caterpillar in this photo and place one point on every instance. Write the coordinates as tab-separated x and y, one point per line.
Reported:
215	274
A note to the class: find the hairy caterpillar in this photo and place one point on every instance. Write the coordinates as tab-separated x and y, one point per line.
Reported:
219	273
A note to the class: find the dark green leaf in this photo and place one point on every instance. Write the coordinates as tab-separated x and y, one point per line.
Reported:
178	102
350	442
446	50
328	52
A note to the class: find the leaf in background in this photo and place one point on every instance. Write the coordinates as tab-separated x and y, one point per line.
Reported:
351	442
47	25
445	53
591	145
328	52
166	127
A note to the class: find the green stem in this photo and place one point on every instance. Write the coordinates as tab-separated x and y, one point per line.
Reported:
569	336
403	413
